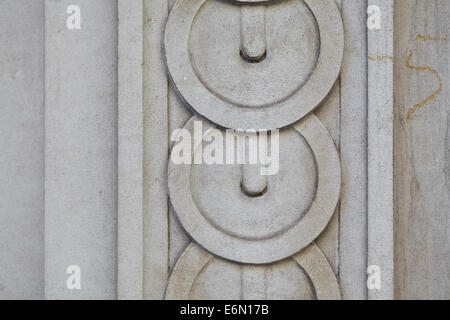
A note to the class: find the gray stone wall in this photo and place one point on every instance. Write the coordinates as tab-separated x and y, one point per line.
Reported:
85	121
22	149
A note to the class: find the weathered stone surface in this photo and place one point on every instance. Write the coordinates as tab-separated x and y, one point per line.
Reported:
81	150
22	149
130	151
422	165
252	56
380	151
353	152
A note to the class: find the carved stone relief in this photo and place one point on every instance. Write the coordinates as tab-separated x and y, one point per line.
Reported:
206	44
140	227
260	66
208	231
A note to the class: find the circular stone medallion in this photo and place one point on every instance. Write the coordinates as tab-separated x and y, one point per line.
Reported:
304	50
299	200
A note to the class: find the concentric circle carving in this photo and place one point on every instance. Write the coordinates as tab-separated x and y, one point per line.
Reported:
204	62
191	271
298	205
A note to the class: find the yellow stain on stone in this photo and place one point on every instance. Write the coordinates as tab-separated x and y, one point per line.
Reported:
429	98
379	58
426	38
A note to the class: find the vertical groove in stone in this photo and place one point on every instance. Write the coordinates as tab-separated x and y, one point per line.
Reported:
179	114
155	142
353	205
329	114
130	158
380	204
